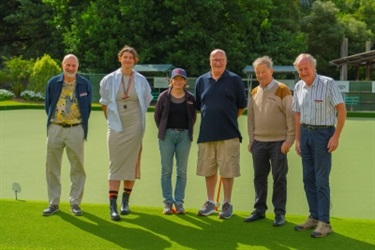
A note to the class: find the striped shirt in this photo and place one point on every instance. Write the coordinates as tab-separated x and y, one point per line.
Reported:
316	104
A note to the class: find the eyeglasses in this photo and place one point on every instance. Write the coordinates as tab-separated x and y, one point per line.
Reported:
217	60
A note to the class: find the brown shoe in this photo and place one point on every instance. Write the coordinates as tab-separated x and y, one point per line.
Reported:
321	230
310	223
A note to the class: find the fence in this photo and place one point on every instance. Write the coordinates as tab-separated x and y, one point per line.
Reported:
358	95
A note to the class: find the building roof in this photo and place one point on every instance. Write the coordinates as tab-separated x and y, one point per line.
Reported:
361	59
276	69
153	67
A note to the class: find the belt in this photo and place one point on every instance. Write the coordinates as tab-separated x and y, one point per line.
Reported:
65	125
314	127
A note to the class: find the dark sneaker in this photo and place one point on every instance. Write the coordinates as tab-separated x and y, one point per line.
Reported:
180	208
51	210
226	211
76	210
168	208
207	209
310	223
321	230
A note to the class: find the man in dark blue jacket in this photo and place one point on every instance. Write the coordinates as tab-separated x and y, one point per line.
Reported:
68	107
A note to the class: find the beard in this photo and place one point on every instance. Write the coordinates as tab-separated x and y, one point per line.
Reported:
70	74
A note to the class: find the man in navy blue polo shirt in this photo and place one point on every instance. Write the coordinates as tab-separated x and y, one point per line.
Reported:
221	99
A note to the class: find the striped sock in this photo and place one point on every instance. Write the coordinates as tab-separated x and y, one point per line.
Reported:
113	194
128	191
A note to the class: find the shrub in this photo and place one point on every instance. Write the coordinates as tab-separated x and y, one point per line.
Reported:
30	95
44	68
6	95
16	74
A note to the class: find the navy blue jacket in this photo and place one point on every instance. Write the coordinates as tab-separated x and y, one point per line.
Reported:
83	94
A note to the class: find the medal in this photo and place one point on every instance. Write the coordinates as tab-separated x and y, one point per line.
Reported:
127	89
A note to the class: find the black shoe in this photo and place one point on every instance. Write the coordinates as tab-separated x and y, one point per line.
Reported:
51	210
115	216
113	210
76	210
125	209
254	216
279	220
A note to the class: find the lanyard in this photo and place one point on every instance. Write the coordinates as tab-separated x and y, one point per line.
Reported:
127	90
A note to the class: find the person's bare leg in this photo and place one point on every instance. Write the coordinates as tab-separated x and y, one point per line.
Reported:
228	187
210	186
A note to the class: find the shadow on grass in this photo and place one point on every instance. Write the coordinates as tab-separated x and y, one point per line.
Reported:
141	230
117	233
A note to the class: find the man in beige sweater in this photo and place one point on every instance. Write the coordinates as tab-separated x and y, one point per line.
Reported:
271	134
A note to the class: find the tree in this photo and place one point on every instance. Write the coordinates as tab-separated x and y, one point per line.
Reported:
15	74
165	32
324	35
184	32
357	18
281	37
26	30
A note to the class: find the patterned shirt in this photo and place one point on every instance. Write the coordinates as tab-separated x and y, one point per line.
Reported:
316	104
67	110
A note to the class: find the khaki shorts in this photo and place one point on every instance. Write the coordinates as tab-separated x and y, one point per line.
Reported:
223	155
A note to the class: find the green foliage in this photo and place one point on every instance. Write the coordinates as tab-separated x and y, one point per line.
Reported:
360	10
27	29
44	68
280	36
16	73
324	34
357	33
184	32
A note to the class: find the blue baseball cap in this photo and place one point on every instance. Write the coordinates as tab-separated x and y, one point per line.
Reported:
179	72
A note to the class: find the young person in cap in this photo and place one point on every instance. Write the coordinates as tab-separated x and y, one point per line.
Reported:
175	116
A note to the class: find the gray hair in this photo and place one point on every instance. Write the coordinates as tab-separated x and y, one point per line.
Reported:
69	56
263	60
309	57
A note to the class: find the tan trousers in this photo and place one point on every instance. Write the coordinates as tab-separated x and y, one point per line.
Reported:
72	139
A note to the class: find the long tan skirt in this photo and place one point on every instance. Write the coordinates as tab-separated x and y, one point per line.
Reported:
125	146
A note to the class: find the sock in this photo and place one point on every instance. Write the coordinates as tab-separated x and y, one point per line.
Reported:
128	191
113	194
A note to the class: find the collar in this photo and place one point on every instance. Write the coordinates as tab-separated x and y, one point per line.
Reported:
269	86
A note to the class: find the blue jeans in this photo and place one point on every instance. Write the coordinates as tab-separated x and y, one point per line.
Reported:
316	162
175	143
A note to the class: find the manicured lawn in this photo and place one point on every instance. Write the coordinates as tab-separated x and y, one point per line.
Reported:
23	227
22	160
